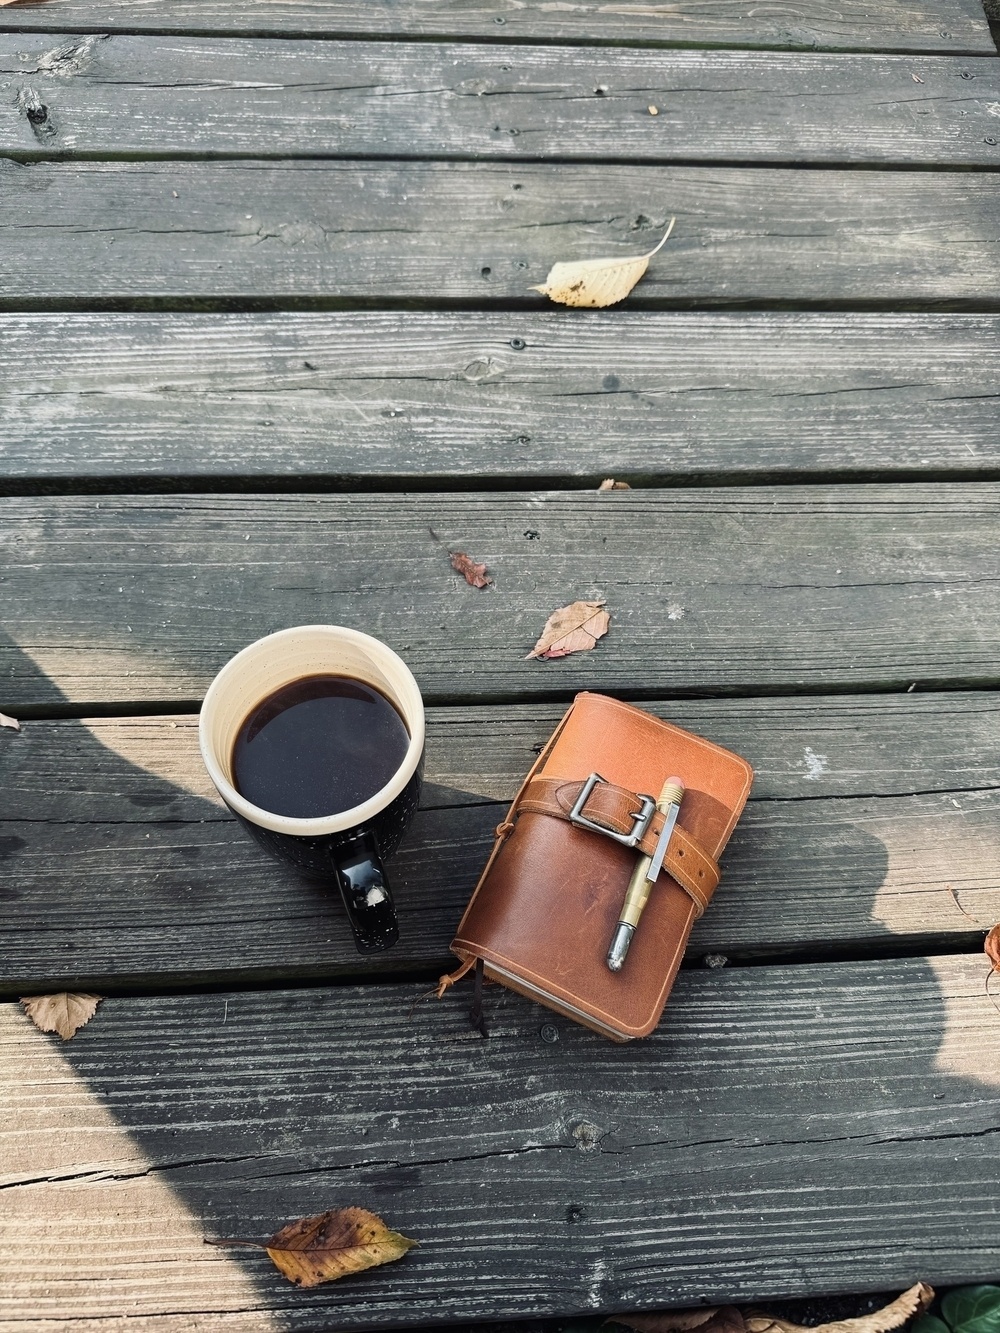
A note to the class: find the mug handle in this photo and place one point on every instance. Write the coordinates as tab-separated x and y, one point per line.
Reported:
367	896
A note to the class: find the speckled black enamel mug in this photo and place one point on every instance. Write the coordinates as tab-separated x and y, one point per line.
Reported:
348	847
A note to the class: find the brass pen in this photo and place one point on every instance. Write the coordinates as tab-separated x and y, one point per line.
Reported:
647	868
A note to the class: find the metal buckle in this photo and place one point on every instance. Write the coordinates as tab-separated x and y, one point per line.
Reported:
641	817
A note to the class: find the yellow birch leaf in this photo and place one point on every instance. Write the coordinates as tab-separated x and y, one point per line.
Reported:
334	1244
63	1013
597	282
572	629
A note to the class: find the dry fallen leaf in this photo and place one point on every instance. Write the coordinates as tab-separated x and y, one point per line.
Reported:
597	282
893	1315
710	1319
991	944
63	1013
609	484
472	572
991	947
729	1319
330	1245
6	721
572	629
721	1319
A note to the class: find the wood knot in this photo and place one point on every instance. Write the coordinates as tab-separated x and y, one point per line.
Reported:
483	368
36	113
588	1136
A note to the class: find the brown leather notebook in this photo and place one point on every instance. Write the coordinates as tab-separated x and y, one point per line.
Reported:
546	906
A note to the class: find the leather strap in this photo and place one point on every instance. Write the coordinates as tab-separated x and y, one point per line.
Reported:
612	807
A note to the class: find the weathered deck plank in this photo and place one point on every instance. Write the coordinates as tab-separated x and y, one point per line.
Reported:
163	97
788	1130
386	401
121	868
949	26
118	601
84	233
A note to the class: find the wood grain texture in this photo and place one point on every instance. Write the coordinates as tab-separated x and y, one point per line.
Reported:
734	590
786	1131
120	867
160	97
385	401
949	26
91	232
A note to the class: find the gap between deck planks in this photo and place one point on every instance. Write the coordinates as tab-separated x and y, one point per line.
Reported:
388	401
90	233
871	826
785	1131
122	601
264	98
948	26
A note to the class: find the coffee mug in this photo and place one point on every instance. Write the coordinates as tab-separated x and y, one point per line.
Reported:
346	847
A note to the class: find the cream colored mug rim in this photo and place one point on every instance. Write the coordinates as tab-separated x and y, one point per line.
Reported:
410	702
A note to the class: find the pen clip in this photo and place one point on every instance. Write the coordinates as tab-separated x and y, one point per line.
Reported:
662	843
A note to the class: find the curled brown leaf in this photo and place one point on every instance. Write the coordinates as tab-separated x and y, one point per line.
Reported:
730	1319
609	484
991	947
572	629
894	1315
471	571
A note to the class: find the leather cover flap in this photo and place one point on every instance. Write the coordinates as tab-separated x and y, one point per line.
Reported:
547	905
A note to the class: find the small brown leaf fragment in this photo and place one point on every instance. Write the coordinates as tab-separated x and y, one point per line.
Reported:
471	571
6	721
609	484
991	947
64	1013
597	282
334	1244
572	629
725	1319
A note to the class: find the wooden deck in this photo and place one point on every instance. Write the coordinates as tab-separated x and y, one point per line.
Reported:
268	353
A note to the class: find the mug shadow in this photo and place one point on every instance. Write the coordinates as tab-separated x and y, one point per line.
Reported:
226	1115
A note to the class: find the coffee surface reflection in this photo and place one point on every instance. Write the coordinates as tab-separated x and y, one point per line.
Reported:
318	746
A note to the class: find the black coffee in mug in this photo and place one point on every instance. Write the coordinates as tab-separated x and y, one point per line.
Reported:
314	738
318	746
